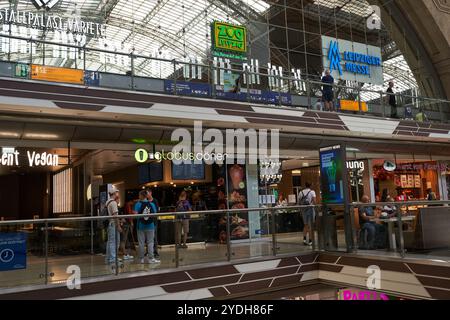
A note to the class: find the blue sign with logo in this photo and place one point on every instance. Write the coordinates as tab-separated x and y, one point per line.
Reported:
188	88
13	251
335	57
269	97
353	61
92	78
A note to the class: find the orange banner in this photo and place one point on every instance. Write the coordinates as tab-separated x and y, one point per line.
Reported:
350	105
55	74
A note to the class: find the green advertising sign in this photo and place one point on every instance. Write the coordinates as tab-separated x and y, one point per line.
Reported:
229	38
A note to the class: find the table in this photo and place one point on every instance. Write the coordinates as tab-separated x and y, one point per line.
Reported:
391	234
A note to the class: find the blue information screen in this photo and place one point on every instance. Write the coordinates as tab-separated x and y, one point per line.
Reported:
331	174
13	251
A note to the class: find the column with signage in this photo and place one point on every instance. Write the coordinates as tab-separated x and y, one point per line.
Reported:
335	191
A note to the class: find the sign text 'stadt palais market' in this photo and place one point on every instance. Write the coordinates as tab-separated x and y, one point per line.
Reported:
52	22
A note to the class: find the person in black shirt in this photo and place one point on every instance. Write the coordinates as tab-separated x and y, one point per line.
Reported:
392	100
327	91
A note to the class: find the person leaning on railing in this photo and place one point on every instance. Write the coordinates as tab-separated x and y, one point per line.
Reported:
327	91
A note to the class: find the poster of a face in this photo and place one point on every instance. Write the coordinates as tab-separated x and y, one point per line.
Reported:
237	199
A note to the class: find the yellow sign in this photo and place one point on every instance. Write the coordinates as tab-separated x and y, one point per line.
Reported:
350	105
229	37
55	74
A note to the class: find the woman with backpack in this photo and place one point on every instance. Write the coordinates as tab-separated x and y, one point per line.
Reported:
183	205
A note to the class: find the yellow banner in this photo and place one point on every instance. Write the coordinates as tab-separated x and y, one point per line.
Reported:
55	74
350	105
229	37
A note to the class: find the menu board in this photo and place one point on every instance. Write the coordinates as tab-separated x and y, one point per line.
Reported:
188	171
150	172
417	181
143	174
410	181
404	181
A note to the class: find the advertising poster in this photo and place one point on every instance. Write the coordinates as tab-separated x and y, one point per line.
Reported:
237	199
13	251
332	163
219	176
231	82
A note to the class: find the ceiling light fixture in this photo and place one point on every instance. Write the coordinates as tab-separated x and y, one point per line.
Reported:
41	136
9	134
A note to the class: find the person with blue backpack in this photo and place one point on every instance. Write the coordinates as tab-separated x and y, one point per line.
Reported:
146	227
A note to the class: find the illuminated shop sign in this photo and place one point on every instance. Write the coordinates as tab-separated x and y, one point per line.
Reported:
352	61
356	165
35	159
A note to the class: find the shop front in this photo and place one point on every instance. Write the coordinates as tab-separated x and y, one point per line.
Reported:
406	180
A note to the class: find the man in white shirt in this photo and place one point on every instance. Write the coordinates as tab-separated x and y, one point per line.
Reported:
307	197
114	228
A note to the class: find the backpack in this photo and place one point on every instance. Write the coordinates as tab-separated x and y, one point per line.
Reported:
105	213
146	208
304	201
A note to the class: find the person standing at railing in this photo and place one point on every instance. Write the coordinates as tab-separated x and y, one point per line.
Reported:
158	210
183	205
307	197
114	229
327	91
127	228
392	100
145	227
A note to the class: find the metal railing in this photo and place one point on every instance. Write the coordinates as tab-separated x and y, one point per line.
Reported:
271	237
324	231
270	89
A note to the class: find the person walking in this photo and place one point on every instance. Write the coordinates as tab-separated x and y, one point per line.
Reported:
307	197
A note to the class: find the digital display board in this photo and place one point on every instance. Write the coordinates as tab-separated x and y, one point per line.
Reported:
55	74
187	171
332	166
150	172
